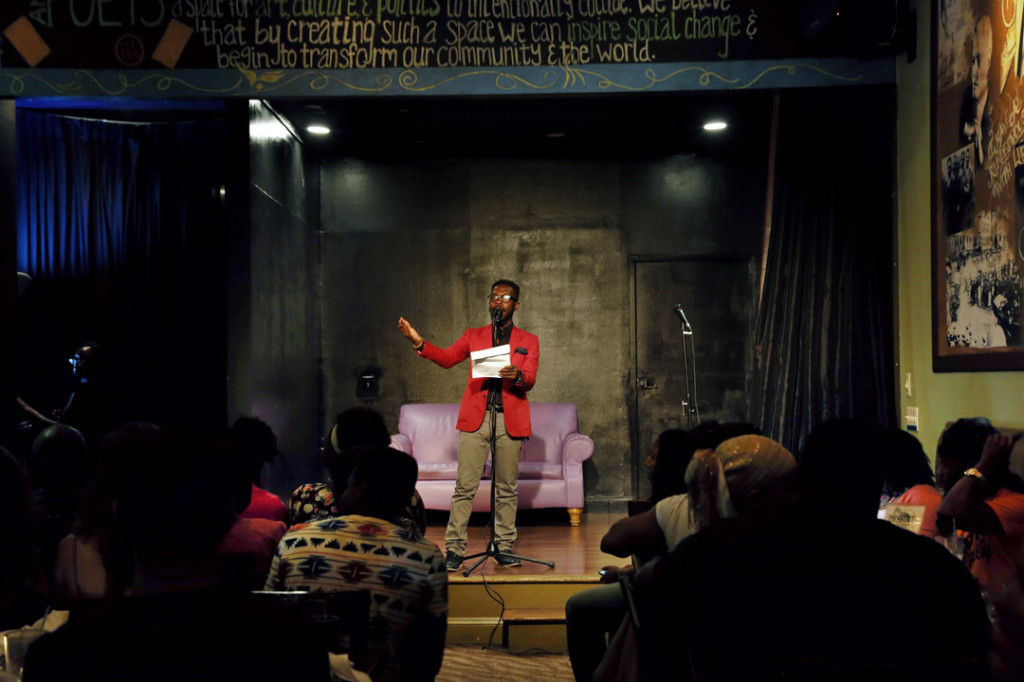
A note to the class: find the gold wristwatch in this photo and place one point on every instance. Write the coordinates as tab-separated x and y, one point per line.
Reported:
976	474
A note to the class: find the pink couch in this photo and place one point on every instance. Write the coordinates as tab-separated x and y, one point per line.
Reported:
550	467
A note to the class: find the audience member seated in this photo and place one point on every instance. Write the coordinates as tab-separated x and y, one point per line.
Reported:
22	580
248	546
594	614
828	592
742	474
354	429
177	621
909	481
365	549
258	445
58	468
667	475
662	528
94	561
982	503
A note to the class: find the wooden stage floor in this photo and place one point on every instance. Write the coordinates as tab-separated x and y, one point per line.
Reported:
484	606
543	534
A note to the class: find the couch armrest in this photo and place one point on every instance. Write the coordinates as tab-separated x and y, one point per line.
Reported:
575	448
400	441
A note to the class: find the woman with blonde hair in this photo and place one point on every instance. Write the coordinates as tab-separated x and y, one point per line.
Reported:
742	475
746	476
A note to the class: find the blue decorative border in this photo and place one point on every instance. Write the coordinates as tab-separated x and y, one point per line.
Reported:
572	79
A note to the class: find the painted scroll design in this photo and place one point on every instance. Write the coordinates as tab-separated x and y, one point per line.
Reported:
250	82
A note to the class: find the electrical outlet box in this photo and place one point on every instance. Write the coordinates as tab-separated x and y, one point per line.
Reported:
911	419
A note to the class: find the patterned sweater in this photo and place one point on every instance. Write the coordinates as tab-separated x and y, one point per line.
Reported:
403	572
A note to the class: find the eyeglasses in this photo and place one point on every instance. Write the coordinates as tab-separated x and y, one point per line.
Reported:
501	298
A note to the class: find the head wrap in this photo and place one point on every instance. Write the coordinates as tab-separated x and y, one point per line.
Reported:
311	502
736	467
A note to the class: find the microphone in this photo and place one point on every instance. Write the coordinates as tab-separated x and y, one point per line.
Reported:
678	309
496	317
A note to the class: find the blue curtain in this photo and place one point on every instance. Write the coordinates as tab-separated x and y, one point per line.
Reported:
825	326
121	226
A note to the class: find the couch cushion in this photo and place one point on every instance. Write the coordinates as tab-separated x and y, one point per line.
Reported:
539	471
438	470
445	471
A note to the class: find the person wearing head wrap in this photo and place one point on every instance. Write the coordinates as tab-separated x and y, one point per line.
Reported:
743	474
355	430
311	502
799	593
723	482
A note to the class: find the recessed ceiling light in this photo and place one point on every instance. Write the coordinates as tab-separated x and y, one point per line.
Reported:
318	130
715	125
267	130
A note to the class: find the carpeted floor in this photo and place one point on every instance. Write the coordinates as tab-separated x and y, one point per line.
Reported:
470	663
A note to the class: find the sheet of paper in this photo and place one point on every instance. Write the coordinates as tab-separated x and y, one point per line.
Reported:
489	361
905	516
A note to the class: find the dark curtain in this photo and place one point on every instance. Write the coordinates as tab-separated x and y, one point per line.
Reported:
825	324
121	227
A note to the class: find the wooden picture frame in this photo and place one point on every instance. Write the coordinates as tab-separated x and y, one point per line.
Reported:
977	97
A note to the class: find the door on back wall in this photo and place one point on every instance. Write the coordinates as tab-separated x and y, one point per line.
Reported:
718	296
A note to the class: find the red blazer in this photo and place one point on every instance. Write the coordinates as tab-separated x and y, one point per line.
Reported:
474	400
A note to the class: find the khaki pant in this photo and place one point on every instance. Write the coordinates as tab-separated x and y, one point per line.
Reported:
473	449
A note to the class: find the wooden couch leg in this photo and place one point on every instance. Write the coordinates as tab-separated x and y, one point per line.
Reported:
574	516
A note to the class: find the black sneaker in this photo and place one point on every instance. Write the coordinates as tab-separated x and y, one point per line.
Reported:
452	561
507	560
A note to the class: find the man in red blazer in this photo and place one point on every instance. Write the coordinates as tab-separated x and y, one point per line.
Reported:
506	398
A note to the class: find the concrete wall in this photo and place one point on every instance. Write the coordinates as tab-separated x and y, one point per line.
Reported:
278	346
940	397
425	239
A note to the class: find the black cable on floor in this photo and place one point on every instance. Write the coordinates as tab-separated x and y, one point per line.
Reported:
500	601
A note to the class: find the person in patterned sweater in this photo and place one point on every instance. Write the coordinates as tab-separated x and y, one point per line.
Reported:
365	548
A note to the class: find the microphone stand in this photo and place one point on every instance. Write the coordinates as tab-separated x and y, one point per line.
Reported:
689	405
492	546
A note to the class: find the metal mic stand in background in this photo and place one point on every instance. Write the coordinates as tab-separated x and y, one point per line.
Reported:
492	546
690	408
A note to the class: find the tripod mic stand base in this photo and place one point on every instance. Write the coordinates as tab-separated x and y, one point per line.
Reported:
493	551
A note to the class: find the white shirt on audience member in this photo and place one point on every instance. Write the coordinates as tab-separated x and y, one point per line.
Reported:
673	515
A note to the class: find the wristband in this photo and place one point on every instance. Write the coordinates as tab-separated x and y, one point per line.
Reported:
418	348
